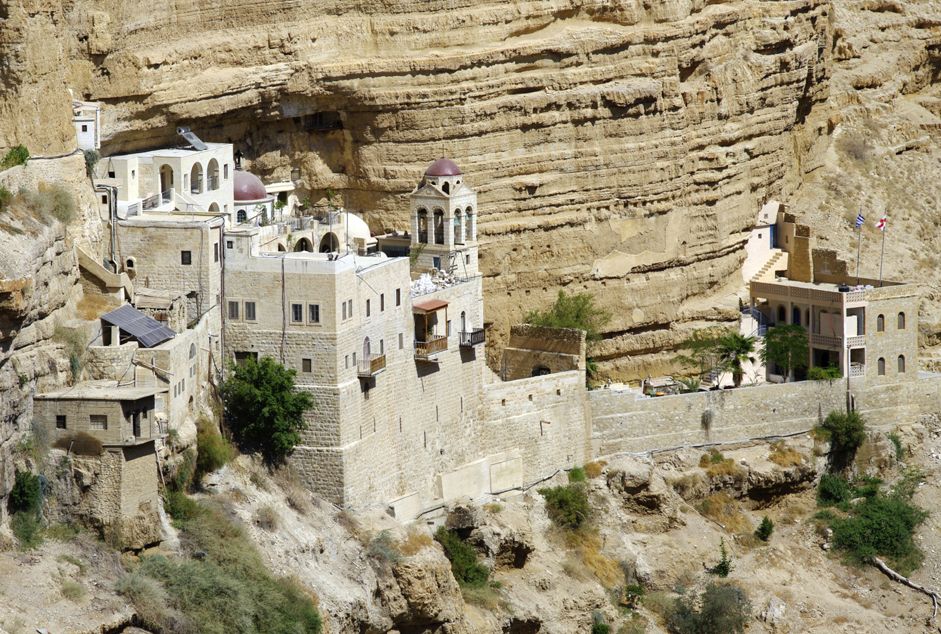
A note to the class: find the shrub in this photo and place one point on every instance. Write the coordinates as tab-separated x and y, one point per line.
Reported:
212	450
724	566
846	433
595	469
897	443
73	341
180	506
152	604
600	627
464	565
882	525
784	456
267	518
91	160
713	456
72	590
724	609
26	495
383	548
818	373
27	529
53	200
79	443
17	155
572	311
414	542
764	530
5	197
567	506
263	409
577	474
833	490
725	511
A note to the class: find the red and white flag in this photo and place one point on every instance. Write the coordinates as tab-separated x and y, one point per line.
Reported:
883	221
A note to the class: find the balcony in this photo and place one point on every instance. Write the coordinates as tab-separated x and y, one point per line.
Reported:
427	350
471	338
826	342
857	369
372	366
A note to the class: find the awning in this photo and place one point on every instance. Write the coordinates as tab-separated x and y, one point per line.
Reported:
146	330
428	306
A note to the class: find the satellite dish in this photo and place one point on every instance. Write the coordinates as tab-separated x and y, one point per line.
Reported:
191	138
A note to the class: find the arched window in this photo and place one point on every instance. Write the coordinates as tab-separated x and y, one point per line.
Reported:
446	187
458	228
366	350
881	366
192	351
130	263
901	364
463	321
423	226
212	182
304	245
439	226
241	216
196	179
328	244
901	324
880	323
782	314
471	221
796	316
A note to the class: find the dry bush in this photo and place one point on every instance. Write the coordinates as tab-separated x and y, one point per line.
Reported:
727	467
298	498
587	545
267	518
856	148
72	590
414	542
690	486
486	597
595	469
725	511
93	306
80	444
493	507
785	456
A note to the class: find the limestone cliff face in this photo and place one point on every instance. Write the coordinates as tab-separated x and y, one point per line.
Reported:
621	148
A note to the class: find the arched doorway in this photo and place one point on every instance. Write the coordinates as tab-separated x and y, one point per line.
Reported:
439	226
303	245
166	179
423	226
463	321
329	243
214	207
213	175
281	247
196	179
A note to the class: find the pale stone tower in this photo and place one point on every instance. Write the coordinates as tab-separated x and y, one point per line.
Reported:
444	221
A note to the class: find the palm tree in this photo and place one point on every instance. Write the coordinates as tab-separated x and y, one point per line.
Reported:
734	350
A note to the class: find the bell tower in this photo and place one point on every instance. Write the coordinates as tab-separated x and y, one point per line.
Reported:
444	221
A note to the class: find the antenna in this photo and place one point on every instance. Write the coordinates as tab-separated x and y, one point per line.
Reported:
191	138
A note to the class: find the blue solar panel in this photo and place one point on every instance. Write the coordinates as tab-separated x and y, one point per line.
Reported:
146	330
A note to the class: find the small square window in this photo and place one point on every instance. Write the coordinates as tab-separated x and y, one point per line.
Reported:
306	365
110	173
398	297
233	310
186	257
60	421
313	313
229	244
297	313
249	311
84	127
98	421
104	199
436	262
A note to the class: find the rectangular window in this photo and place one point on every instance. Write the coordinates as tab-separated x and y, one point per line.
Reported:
367	308
233	310
110	173
349	307
241	357
344	310
382	346
229	244
448	328
313	313
225	171
398	297
186	257
104	199
354	358
436	262
305	365
467	259
346	361
60	421
249	311
98	421
297	313
215	251
382	302
401	341
84	127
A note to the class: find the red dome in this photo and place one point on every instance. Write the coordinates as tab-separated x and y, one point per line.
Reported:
443	167
247	186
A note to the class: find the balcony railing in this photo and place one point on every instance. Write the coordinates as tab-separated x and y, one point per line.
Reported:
855	342
426	350
372	366
823	340
857	369
471	338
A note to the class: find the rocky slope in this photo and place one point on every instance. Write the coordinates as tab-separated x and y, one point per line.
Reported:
620	148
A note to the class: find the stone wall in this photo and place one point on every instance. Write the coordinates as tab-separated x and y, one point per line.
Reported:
621	421
548	349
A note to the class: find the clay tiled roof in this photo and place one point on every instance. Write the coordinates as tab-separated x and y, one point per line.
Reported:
428	305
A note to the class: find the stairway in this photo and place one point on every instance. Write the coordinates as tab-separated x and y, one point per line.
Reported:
776	262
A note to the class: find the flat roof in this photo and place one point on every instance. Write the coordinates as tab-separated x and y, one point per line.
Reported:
170	151
429	305
101	391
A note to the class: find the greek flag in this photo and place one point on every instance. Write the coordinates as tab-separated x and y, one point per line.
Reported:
859	220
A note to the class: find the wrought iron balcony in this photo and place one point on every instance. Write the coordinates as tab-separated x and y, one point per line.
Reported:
471	338
372	366
426	350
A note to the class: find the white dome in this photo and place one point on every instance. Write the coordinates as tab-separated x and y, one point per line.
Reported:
355	226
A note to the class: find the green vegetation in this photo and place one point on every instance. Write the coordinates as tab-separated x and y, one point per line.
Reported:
829	373
71	590
786	348
464	565
724	566
764	530
263	409
718	349
6	196
846	432
897	443
577	474
53	200
713	456
25	504
567	505
598	626
722	609
73	341
212	450
17	155
79	443
734	350
227	590
91	160
577	310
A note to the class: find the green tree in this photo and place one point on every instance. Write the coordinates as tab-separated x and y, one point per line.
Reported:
722	609
263	408
846	433
700	351
572	311
733	351
786	347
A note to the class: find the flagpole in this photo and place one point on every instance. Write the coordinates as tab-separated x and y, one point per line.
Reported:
882	257
859	242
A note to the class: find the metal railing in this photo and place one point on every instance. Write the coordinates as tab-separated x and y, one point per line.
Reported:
212	183
133	209
152	202
428	349
372	366
471	338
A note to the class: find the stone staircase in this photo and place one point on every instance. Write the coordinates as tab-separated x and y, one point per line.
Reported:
776	262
